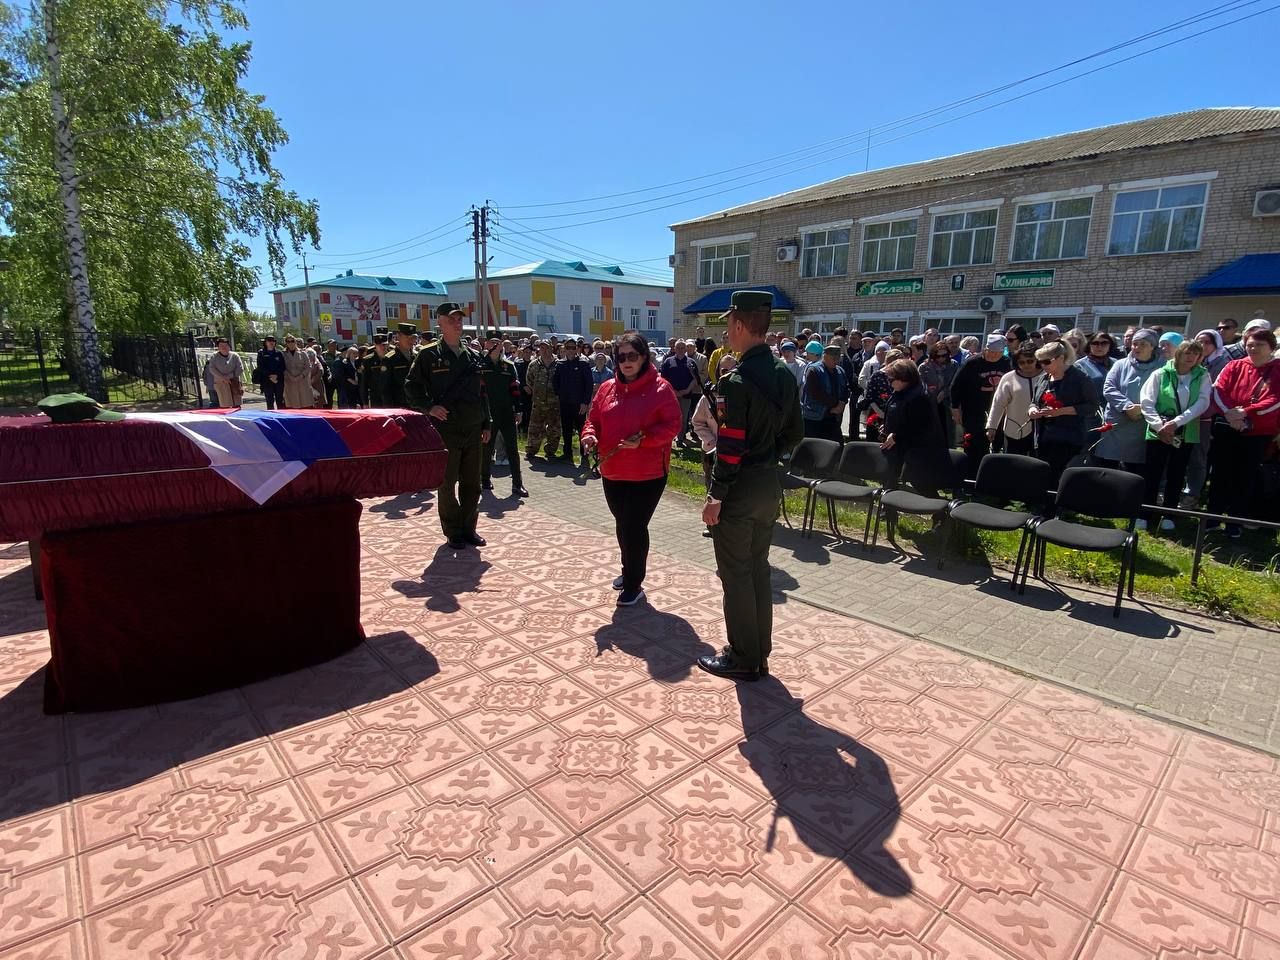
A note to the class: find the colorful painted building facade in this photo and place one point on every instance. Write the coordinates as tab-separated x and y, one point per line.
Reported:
349	307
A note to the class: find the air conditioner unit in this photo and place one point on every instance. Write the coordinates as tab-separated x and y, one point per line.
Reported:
788	252
992	303
1266	203
676	260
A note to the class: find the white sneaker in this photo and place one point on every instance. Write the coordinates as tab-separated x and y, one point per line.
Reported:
1142	525
1166	524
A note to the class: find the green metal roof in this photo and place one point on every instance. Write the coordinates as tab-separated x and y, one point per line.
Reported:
569	270
355	281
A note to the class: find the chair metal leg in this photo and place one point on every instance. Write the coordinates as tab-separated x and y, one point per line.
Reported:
875	533
947	531
1026	567
831	521
1022	546
1124	559
783	509
806	525
872	506
1133	565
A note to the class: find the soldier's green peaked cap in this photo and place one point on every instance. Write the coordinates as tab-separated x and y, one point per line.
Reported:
447	308
409	328
749	300
75	407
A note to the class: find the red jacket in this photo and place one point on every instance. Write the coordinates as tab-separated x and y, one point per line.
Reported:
620	410
1256	389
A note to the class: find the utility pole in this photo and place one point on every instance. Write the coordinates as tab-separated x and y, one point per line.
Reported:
478	316
306	281
483	331
85	353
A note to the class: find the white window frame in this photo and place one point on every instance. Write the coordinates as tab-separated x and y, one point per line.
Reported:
741	264
936	318
617	315
635	318
1130	315
1031	202
391	311
966	209
653	318
1159	185
897	241
825	230
415	311
597	313
881	322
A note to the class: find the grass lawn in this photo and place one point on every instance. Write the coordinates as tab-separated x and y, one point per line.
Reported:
1237	578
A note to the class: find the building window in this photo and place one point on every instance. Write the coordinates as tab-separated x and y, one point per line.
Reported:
724	263
617	314
635	318
826	253
597	314
1117	323
653	319
1160	220
965	326
1052	230
879	326
391	311
415	311
961	239
888	246
293	309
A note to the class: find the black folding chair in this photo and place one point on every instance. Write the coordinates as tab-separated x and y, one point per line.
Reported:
861	464
1004	478
812	461
924	474
1091	492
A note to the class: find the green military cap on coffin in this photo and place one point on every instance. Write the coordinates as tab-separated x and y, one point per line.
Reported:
749	300
74	407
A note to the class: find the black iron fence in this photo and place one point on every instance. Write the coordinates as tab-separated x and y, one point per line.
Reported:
136	369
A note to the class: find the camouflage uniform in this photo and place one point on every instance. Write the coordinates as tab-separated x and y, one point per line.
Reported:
544	408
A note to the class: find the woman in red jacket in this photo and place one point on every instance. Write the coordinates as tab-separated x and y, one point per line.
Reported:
633	419
1247	394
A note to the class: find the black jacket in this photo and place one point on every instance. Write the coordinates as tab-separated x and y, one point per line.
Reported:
912	418
572	382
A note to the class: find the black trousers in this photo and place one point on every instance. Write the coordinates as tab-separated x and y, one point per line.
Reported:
977	447
1167	463
458	498
274	393
571	422
1023	446
1057	456
741	540
828	428
632	503
504	423
1233	470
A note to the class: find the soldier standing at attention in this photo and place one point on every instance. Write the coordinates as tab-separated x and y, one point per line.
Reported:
544	409
446	382
502	387
373	374
398	362
759	414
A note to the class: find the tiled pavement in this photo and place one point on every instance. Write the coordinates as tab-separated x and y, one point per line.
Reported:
1217	674
512	768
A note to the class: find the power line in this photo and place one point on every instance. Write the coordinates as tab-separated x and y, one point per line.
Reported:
422	238
396	263
556	242
912	133
828	146
516	249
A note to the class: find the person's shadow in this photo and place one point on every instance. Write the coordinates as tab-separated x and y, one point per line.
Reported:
667	644
450	573
836	792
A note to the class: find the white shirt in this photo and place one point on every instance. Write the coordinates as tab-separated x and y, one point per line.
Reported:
1151	393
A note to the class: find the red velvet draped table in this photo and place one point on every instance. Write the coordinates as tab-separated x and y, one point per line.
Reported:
163	580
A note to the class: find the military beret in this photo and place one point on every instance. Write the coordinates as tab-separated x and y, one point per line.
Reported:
448	308
749	300
409	328
74	407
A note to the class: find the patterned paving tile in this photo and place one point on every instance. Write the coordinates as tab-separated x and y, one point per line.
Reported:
511	769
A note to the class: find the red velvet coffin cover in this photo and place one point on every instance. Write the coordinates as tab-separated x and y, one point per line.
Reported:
167	610
119	456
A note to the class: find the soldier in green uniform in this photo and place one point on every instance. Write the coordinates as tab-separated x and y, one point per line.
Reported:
502	387
759	415
373	374
398	362
544	407
446	382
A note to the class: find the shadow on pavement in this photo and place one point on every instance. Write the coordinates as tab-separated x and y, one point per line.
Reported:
836	792
450	573
669	645
405	505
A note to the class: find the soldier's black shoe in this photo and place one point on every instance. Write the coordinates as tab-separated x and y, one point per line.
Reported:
723	665
474	539
457	543
519	491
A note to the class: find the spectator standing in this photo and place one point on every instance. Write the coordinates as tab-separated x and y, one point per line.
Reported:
228	375
822	399
971	395
1239	349
1214	359
544	410
298	394
970	347
1173	399
911	420
1095	364
1229	332
1061	396
1125	444
699	360
936	374
1169	343
348	377
1247	394
633	418
705	420
875	398
1011	405
375	391
1015	337
681	375
502	387
524	353
270	371
600	370
573	385
1077	340
788	350
332	361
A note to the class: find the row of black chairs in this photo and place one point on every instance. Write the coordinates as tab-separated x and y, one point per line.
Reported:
1010	493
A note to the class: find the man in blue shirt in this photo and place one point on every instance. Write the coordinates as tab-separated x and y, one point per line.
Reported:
682	373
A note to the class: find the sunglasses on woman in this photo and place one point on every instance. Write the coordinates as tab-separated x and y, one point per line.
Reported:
628	356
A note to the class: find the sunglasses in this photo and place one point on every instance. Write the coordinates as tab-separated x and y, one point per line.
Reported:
629	356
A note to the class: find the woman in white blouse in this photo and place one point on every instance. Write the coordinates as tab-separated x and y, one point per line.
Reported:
1011	404
1173	398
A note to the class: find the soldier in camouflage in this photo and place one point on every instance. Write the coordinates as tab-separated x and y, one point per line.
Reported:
544	407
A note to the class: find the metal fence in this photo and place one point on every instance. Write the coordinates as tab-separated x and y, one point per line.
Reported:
136	369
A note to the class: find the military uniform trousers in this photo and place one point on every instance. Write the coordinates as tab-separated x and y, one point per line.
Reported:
741	541
544	424
504	422
458	498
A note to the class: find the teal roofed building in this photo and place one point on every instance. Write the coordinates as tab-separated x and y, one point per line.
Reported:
574	297
351	307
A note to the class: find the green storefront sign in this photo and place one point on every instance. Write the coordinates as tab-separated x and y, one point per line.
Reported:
885	288
1024	280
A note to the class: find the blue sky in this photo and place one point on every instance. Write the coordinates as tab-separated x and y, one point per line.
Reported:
403	114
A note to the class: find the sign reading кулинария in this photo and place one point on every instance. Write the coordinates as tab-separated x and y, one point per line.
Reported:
1023	280
882	288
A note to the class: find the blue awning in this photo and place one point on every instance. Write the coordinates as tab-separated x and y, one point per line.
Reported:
1254	273
717	301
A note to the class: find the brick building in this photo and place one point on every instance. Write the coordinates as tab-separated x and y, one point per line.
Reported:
1172	220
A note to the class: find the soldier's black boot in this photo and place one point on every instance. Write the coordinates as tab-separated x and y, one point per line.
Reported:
726	665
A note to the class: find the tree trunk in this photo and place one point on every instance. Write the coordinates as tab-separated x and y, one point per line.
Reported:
85	343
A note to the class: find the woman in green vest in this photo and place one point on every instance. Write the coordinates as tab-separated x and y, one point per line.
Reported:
1173	398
